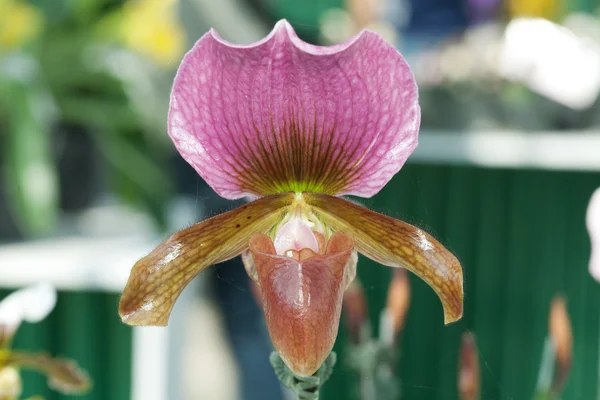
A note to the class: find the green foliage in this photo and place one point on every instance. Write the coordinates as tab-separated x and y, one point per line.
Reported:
69	80
30	175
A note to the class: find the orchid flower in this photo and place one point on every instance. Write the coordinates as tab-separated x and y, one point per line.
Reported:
293	126
32	304
593	226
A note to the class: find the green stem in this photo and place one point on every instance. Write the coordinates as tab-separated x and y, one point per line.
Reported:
306	387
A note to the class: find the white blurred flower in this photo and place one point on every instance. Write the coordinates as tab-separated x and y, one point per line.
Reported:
552	60
10	383
593	226
31	304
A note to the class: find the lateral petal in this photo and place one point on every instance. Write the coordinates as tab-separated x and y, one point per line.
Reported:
157	279
394	243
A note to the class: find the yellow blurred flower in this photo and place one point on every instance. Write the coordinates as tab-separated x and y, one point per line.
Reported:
548	9
152	28
19	23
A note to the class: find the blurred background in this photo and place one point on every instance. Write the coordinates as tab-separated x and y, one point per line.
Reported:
509	156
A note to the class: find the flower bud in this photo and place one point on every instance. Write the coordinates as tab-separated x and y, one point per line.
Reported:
562	337
5	336
398	301
356	312
469	375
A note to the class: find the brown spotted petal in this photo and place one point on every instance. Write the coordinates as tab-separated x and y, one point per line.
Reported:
396	244
302	298
157	279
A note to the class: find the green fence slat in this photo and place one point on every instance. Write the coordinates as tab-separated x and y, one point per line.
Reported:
119	338
520	361
461	238
489	288
82	337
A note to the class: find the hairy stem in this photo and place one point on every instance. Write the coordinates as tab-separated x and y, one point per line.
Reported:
306	387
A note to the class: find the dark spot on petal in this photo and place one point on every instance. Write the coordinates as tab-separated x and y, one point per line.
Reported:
238	225
248	217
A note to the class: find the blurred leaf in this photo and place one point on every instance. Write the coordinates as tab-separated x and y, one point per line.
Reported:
101	113
67	59
544	396
89	11
54	10
147	88
29	171
137	176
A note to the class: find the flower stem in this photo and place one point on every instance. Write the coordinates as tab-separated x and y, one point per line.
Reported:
306	387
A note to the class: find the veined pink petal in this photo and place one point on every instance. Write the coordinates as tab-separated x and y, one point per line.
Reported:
283	115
